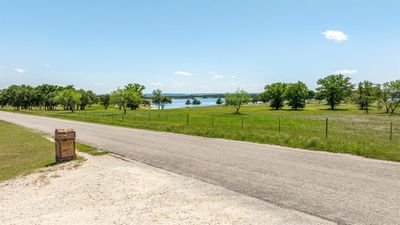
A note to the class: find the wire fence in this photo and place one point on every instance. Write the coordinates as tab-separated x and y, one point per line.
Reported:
318	126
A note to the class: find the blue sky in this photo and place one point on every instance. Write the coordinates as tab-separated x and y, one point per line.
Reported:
196	46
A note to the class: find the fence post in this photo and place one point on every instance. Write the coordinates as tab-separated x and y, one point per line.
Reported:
391	130
279	125
187	119
242	122
326	128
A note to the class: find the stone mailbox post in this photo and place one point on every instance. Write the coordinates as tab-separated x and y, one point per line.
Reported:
65	145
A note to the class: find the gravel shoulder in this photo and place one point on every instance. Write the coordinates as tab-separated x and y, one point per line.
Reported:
108	190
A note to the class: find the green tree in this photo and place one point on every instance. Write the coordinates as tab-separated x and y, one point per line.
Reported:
219	101
275	94
164	101
48	93
334	88
69	98
255	98
105	101
123	97
88	98
188	102
157	97
296	95
138	89
366	94
390	95
195	101
237	99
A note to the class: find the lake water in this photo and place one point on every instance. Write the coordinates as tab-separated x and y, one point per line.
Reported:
180	103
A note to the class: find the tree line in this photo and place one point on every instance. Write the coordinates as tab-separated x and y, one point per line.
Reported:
334	89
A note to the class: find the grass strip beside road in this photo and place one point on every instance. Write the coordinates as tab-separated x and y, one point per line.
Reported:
89	149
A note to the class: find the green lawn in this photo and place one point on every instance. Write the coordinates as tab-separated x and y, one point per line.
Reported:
349	129
22	151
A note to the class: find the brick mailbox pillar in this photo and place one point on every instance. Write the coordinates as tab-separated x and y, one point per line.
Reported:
65	145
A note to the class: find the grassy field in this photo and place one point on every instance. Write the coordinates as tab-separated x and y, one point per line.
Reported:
22	151
349	130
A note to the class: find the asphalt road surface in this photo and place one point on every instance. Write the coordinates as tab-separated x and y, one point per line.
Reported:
339	188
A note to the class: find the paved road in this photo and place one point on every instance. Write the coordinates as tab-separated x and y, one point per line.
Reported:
336	187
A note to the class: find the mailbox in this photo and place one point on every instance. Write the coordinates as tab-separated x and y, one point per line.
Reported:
65	145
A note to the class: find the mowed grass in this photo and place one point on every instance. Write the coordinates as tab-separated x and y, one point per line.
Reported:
22	151
349	130
88	149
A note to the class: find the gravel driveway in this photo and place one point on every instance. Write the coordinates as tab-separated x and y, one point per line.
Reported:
336	187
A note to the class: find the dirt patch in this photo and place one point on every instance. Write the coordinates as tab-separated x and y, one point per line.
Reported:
108	190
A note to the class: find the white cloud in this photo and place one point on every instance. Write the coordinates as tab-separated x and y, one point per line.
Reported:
156	83
233	76
183	73
335	35
345	72
233	84
98	84
19	70
47	66
218	76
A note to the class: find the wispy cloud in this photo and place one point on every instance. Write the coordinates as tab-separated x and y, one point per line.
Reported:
47	66
335	35
345	72
156	83
183	73
98	84
19	70
233	76
216	75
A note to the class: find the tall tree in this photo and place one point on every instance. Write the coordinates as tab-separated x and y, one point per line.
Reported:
123	97
134	88
69	98
105	101
390	95
237	99
157	97
275	94
366	94
164	101
334	88
296	95
88	98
